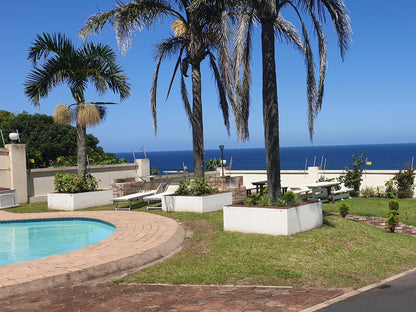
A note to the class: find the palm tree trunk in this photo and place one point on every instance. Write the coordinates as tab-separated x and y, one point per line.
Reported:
82	149
197	122
270	111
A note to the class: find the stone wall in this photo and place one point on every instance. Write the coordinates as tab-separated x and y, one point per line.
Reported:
125	186
230	184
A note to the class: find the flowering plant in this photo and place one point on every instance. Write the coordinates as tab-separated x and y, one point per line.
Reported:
72	183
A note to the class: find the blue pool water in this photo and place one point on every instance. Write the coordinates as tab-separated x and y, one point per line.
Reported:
32	239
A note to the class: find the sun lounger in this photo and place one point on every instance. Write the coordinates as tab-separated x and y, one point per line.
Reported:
159	197
137	196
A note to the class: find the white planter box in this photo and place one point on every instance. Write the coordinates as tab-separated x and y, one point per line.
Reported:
201	204
75	201
273	220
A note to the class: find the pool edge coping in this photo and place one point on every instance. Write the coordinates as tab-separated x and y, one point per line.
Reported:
153	237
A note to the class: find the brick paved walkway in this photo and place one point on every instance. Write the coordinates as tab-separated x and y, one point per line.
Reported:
114	298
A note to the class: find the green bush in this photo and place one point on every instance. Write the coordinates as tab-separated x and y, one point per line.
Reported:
265	200
393	215
212	163
343	209
391	190
405	182
290	198
394	204
195	187
368	192
154	171
72	183
352	178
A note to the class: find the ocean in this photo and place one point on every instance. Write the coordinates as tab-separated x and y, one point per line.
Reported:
381	156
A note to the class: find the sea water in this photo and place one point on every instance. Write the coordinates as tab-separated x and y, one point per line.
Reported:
381	156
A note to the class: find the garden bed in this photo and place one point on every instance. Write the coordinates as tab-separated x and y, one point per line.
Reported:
75	201
273	220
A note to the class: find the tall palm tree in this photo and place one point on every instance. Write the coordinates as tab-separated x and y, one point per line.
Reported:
62	64
199	31
273	25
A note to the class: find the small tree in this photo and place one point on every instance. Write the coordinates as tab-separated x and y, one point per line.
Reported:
393	215
405	182
343	209
352	178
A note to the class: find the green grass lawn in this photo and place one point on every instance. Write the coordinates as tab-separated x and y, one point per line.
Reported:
343	253
378	207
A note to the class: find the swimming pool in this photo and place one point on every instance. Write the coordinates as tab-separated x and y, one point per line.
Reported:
37	238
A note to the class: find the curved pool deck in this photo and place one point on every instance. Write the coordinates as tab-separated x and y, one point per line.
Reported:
140	238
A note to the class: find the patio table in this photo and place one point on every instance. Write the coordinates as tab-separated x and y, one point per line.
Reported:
327	186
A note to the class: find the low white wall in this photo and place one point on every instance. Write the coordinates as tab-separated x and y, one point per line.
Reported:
296	178
41	181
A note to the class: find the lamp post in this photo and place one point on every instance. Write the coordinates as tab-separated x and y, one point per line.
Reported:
222	159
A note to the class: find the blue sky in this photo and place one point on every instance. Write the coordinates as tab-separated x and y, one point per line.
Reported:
369	98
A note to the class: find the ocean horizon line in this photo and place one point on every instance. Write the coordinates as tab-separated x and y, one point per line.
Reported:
381	156
262	147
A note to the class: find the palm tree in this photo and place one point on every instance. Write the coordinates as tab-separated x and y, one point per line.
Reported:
63	64
268	14
198	32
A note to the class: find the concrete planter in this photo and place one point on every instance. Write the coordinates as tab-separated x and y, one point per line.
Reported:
271	220
75	201
201	204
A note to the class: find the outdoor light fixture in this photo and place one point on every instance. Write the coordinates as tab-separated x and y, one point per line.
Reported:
222	159
14	136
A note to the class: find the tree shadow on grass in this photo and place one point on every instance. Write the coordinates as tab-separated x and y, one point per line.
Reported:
326	221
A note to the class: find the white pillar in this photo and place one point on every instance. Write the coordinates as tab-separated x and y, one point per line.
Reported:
143	167
313	175
18	171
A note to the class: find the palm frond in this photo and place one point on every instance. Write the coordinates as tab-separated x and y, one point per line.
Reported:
287	32
153	93
341	21
221	93
178	62
46	43
185	100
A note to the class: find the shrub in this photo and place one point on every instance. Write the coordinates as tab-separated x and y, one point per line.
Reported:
265	200
393	215
343	209
212	163
195	187
391	190
72	183
368	192
352	178
405	182
394	204
290	198
154	171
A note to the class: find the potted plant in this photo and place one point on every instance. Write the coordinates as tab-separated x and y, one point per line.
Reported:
287	216
196	196
74	192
